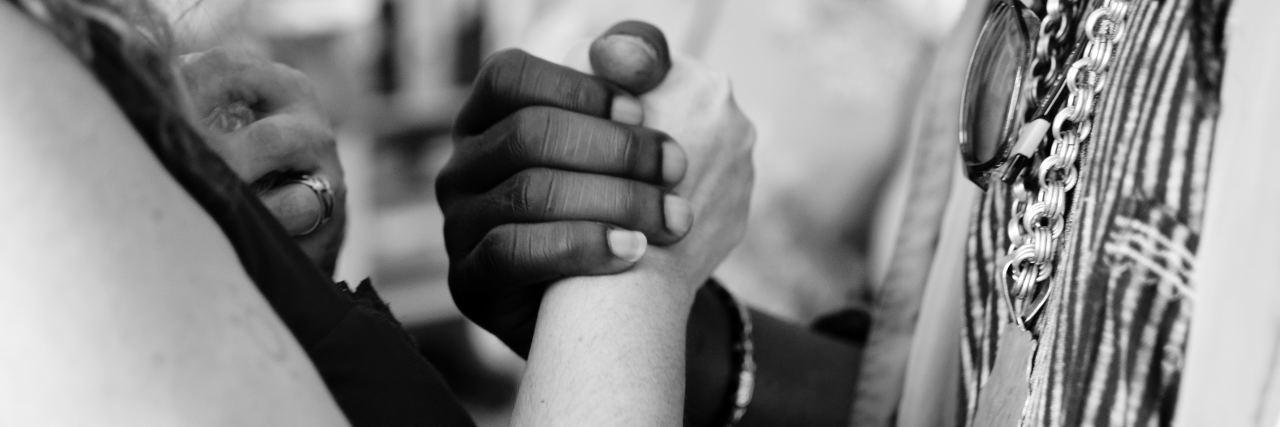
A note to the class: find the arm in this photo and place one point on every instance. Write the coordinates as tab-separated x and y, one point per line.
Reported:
802	377
610	349
607	351
499	282
263	119
134	309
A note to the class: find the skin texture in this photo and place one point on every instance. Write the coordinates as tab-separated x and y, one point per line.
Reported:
117	323
264	120
624	56
581	370
801	375
527	147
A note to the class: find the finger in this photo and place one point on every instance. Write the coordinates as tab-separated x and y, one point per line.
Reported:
284	143
524	254
295	206
276	87
631	54
547	195
513	79
560	139
505	275
222	77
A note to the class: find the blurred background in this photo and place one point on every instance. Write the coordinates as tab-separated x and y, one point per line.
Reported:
828	83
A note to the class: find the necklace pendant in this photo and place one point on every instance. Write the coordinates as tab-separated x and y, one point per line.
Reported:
1005	393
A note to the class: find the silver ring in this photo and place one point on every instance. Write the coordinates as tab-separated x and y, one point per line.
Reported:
320	187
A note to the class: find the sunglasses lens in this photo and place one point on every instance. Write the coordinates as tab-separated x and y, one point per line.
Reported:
992	98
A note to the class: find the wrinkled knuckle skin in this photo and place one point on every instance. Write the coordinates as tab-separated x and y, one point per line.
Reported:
488	253
524	190
527	144
576	92
571	243
630	202
501	71
549	249
630	145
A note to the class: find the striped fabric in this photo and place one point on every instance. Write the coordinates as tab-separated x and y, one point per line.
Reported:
1113	335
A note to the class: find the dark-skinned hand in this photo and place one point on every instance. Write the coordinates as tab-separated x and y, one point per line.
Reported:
553	175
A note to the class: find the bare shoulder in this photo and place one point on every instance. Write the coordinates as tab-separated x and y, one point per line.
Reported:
135	310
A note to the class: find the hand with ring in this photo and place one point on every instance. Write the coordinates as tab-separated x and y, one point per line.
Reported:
264	120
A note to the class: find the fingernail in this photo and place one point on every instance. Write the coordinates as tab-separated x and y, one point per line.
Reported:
679	215
674	163
628	61
627	245
626	109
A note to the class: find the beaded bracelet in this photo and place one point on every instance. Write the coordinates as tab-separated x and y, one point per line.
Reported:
743	355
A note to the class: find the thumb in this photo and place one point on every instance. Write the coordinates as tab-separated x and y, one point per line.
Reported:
632	55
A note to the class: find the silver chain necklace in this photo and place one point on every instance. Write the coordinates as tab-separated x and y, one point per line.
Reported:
1040	213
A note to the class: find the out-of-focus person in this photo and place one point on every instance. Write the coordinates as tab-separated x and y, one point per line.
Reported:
1058	186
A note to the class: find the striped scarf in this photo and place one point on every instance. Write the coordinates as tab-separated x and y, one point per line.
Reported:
1113	334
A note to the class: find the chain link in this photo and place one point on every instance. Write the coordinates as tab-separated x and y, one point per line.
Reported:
1040	207
1051	43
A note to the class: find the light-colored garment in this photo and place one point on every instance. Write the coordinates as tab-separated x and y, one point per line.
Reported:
1232	373
1140	366
913	306
826	82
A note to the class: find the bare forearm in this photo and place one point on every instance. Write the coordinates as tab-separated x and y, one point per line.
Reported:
802	378
607	351
135	309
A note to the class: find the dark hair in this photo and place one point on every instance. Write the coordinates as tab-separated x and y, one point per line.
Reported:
127	45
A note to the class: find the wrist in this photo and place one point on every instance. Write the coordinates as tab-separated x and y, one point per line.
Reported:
710	359
721	367
742	383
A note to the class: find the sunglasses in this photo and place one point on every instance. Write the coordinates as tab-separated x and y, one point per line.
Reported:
1001	126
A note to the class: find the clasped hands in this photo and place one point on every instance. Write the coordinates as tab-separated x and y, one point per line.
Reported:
559	173
556	172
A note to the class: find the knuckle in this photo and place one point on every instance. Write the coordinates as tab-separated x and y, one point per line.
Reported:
529	140
317	132
497	241
631	200
296	79
576	241
490	251
578	95
267	134
558	245
529	190
502	69
630	146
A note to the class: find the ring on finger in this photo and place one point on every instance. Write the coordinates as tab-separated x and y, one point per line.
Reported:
324	193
